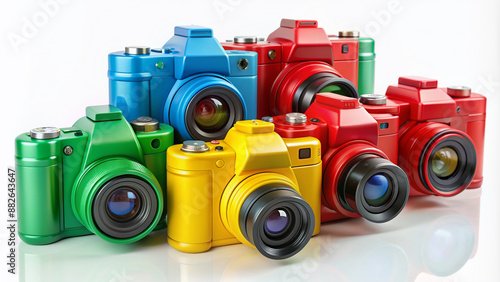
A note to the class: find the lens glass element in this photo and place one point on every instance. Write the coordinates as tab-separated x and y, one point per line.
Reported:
123	204
211	114
337	89
277	221
376	190
445	162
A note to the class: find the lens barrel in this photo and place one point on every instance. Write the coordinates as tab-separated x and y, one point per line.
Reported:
118	199
458	162
438	159
374	187
116	226
277	221
321	82
212	112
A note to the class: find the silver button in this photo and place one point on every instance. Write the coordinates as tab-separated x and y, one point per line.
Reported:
268	119
245	39
373	99
145	124
459	91
45	133
137	50
296	118
194	146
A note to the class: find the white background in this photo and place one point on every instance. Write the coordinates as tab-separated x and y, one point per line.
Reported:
54	63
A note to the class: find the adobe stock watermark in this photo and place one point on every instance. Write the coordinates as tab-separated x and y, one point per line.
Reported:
487	86
382	18
221	7
31	25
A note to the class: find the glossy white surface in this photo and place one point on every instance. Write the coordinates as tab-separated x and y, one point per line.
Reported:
431	238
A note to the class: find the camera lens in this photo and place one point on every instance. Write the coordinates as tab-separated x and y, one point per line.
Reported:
445	162
123	204
376	190
320	83
373	187
124	207
211	114
276	220
438	159
118	199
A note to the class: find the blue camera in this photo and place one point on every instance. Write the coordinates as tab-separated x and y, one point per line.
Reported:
191	83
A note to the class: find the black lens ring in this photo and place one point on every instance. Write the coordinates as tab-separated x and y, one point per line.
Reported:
140	222
234	104
306	93
355	175
465	171
257	207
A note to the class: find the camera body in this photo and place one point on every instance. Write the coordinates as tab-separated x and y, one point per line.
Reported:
299	60
225	192
72	181
190	83
358	178
436	135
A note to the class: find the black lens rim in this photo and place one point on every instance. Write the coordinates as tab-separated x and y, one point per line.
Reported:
467	164
306	93
255	211
141	221
234	104
355	175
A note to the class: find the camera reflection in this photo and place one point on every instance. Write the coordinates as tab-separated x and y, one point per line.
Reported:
431	237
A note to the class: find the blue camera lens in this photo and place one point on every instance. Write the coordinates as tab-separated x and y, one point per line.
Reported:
376	190
211	114
277	221
123	204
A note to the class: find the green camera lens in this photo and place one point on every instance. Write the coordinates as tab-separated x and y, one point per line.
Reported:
211	114
118	199
445	162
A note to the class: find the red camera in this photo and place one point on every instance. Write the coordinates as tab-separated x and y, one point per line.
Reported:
296	62
436	135
358	178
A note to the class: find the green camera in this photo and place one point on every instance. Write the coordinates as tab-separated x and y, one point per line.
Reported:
103	175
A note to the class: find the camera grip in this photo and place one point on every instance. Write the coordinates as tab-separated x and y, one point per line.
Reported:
189	209
39	210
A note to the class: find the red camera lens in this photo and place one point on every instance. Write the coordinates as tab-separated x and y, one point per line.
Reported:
211	114
376	191
297	85
445	162
437	158
360	181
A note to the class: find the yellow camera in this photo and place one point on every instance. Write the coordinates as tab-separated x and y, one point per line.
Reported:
253	187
